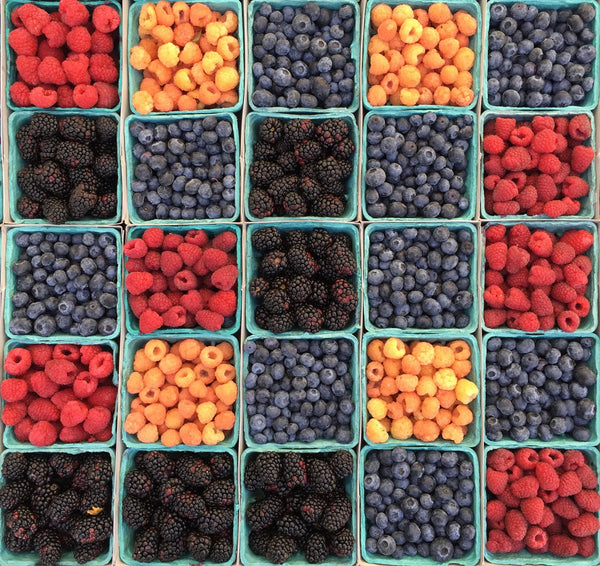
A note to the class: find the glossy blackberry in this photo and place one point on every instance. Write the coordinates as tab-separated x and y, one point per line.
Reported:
98	468
28	208
278	323
258	541
51	178
27	143
344	294
299	288
309	318
298	130
169	551
319	241
106	165
258	287
344	149
264	512
301	262
199	546
293	470
264	172
38	471
329	170
14	493
14	466
15	544
105	207
312	509
266	239
26	182
83	175
319	295
87	552
321	478
138	483
64	465
263	318
74	154
294	204
78	128
280	188
48	544
145	545
63	505
337	188
22	522
172	527
157	464
215	520
341	463
55	210
170	489
341	259
280	282
221	465
280	549
276	301
328	205
81	201
136	512
311	189
221	550
273	263
268	468
342	543
48	149
188	505
307	151
96	499
316	549
332	131
291	525
43	124
287	161
271	130
294	239
263	151
92	528
337	513
193	471
107	129
42	497
260	204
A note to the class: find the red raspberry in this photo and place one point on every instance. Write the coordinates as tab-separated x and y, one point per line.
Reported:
225	277
563	292
98	418
589	479
580	306
22	429
506	208
514	473
575	187
517	177
584	526
43	386
135	248
108	95
509	499
223	302
44	50
541	303
529	322
517	300
586	546
555	208
73	413
43	97
561	145
581	158
104	396
43	433
544	141
518	235
66	352
568	321
536	538
540	243
521	136
580	240
134	265
84	385
138	282
50	71
492	165
495	510
79	40
170	263
516	158
588	500
496	481
62	397
13	389
541	276
19	94
14	413
494	296
562	173
85	96
516	259
17	361
152	260
516	525
580	127
549	163
498	542
574	276
505	126
489	182
102	365
102	42
493	145
198	237
185	280
27	67
174	297
542	123
573	206
505	190
56	34
494	317
192	301
73	434
501	459
159	283
64	95
43	410
526	458
62	372
189	253
23	42
209	320
569	484
153	237
149	321
496	255
562	253
105	18
584	263
493	278
103	68
525	487
547	518
159	303
533	510
225	241
73	13
214	259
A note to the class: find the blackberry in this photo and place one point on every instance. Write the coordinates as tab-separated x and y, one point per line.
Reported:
301	262
319	241
267	466
64	465
280	188
43	125
38	471
264	512
98	468
294	470
266	239
81	201
215	520
28	208
107	129
273	263
308	151
280	549
258	287
27	144
51	178
328	205
280	283
221	466
258	541
260	204
337	513
172	527
15	544
291	526
188	505
287	161
157	464
298	130
341	259
42	497
95	499
294	204
295	238
278	323
26	182
86	552
48	544
344	149
198	546
169	551
263	151
170	489
335	317
221	550
48	149
63	505
319	295
106	165
341	544
309	318
299	288
276	301
105	207
91	528
78	128
22	522
14	466
74	154
145	545
332	131
344	294
316	549
192	471
84	175
311	189
271	130
328	170
337	188
138	483
136	512
55	210
321	478
263	318
264	172
345	167
343	239
341	463
13	494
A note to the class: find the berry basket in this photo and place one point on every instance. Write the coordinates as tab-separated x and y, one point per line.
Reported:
473	436
12	254
453	227
525	557
133	344
588	203
131	321
10	440
355	53
11	58
154	119
18	119
252	272
588	323
135	77
591	98
126	534
469	559
558	441
469	6
248	558
253	121
32	558
316	444
472	152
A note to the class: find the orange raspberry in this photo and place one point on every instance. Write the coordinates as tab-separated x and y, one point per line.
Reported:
413	53
409	76
402	428
184	80
150	46
214	31
439	13
148	19
430	407
168	54
465	79
376	96
142	102
426	430
139	58
401	13
228	47
421	16
164	13
375	350
426	386
431	81
200	15
148	434
433	60
449	47
183	33
447	30
387	29
466	23
226	78
173	91
163	34
443	418
390	83
464	59
462	39
160	72
211	62
163	102
430	38
454	432
462	415
377	45
379	64
396	44
425	96
388	386
441	95
230	20
447	398
391	367
407	382
411	31
395	60
170	438
190	434
462	96
443	356
181	12
379	14
228	99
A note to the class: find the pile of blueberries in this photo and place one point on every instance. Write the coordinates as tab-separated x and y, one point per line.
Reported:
417	166
420	278
299	390
540	57
185	170
538	388
419	503
302	56
66	283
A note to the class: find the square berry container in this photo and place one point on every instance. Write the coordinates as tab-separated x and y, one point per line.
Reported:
453	227
469	6
132	345
126	533
558	227
557	441
591	98
135	76
247	557
355	53
9	439
252	268
11	57
131	321
470	174
473	436
132	162
31	558
253	121
318	444
524	557
22	117
588	202
471	558
12	254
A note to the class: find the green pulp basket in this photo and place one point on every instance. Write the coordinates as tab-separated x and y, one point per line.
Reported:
12	254
135	76
470	173
588	202
132	345
212	230
253	121
588	323
473	436
453	227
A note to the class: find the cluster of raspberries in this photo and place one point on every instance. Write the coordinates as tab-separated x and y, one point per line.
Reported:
61	391
535	167
535	280
542	501
177	280
68	58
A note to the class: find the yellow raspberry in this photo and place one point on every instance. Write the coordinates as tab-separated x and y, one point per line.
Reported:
377	408
184	80
445	379
215	31
211	62
226	78
139	58
143	102
466	391
168	55
376	431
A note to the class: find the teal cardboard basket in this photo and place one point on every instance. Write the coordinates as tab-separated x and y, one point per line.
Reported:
252	272
557	441
32	558
588	323
12	254
10	440
588	202
453	227
591	98
253	121
135	343
355	52
469	6
131	321
18	119
53	7
524	558
153	119
316	444
126	534
469	559
470	174
248	558
473	436
135	76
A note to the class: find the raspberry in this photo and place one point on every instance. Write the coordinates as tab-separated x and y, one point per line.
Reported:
568	321
580	240
159	303
66	352
569	484
516	259
170	263
209	320
79	39
149	321
581	158
27	67
13	389
544	141
563	292
223	302
496	481
536	538
19	94
495	510
225	241
493	144
174	317
134	265
73	13
198	237
549	163
516	158
562	253
225	277
189	253
73	434
159	283
35	19
104	396
85	96
192	301
575	187
505	126
185	280
152	260
494	317
494	296
517	300
56	34
526	458
533	510
540	276
214	259
540	243
171	241
589	479
527	197
43	410
138	282
514	473
73	413
62	397
492	164
42	433
574	276
22	429
562	546
138	304
541	304
102	42
23	42
580	306
17	361
43	386
498	541
509	499
588	500
516	525
153	237
555	208
65	97
135	248
105	18
505	191
98	418
108	95
506	208
580	127
101	365
542	123
586	546
84	385
495	233
525	487
43	97
62	372
584	526
103	68
13	413
521	136
50	71
496	255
